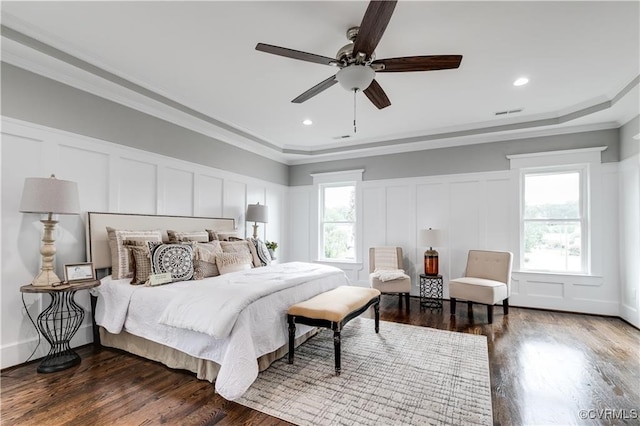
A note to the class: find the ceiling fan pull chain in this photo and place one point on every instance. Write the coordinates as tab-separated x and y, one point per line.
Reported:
354	111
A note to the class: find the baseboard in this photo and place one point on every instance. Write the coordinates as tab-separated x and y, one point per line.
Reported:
18	353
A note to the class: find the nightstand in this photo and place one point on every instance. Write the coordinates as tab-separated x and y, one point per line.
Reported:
59	322
431	291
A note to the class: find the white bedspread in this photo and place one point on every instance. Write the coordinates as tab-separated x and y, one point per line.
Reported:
259	328
231	293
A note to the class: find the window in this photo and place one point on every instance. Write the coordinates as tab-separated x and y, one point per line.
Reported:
338	221
554	222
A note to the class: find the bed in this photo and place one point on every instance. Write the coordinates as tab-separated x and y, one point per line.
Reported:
225	328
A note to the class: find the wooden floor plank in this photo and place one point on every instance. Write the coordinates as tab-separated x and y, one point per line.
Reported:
545	367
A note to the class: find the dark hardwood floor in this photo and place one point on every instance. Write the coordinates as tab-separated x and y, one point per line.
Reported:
545	368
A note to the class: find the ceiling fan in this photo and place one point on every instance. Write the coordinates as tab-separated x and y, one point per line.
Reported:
357	62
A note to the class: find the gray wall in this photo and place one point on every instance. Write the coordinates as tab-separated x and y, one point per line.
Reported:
36	99
460	159
629	146
33	98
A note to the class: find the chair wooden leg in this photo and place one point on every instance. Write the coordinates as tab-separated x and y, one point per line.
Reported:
505	306
407	300
470	306
400	301
490	313
336	349
453	305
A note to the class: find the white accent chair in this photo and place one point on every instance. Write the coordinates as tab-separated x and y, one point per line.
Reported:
388	259
487	280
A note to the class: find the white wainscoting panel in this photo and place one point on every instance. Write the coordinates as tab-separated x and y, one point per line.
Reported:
137	186
235	203
209	196
466	205
178	191
629	242
110	177
300	226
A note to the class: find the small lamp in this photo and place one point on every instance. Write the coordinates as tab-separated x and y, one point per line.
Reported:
429	238
257	213
50	196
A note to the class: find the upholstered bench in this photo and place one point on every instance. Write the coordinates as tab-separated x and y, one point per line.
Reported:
333	309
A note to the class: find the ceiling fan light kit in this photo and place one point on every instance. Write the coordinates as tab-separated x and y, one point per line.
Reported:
357	61
355	77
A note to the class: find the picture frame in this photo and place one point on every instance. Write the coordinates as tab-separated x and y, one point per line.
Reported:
79	272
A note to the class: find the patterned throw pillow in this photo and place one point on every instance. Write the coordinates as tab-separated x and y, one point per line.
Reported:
233	262
119	254
177	259
177	236
213	235
140	261
204	264
262	251
242	246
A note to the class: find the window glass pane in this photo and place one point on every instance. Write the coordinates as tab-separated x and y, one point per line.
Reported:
339	204
552	246
339	241
552	196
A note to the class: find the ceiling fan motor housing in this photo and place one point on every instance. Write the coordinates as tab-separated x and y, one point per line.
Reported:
346	54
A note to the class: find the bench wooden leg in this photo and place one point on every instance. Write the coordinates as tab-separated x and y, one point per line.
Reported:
490	313
376	309
292	336
505	306
336	348
453	305
407	297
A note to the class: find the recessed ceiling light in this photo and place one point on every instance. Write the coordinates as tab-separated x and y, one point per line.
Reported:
307	122
521	81
637	137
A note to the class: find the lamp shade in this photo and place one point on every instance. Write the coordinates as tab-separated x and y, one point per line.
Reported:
50	195
429	238
257	213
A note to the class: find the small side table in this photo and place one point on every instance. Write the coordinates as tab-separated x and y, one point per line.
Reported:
431	291
59	322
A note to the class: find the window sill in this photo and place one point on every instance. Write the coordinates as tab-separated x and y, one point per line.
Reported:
342	264
560	274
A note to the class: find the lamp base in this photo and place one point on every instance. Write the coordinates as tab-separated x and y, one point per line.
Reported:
255	231
431	262
46	279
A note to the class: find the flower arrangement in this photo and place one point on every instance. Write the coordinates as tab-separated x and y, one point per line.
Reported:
271	245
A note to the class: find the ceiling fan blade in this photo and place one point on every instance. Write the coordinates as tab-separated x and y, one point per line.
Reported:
296	54
419	63
376	95
374	22
320	87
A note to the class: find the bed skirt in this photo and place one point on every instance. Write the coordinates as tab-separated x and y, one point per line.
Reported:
173	358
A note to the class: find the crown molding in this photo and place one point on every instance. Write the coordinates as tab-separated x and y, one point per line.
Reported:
33	55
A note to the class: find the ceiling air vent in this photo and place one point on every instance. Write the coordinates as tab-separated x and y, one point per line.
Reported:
341	137
511	111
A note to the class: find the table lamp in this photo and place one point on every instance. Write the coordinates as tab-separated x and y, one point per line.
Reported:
50	196
429	238
257	213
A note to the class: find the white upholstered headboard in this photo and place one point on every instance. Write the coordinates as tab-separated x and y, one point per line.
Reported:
98	251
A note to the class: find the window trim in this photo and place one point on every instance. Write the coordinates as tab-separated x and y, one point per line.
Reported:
583	171
321	221
352	175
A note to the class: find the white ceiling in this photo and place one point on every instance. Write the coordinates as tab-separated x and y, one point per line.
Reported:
582	59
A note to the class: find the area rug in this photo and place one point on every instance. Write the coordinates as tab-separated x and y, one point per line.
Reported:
405	375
